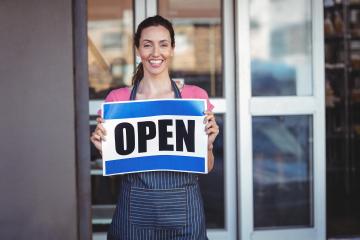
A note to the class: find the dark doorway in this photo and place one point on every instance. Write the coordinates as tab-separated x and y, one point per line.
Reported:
342	68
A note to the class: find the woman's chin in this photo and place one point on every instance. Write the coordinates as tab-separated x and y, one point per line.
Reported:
156	71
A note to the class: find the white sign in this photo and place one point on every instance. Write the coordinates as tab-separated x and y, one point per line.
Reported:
154	135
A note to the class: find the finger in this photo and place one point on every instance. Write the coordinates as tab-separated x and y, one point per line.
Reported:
209	117
100	133
211	121
101	128
212	128
211	124
212	131
95	137
99	120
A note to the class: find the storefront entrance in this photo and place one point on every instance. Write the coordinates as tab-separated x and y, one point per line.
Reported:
258	65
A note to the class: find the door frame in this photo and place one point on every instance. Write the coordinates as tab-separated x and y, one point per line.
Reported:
82	134
249	107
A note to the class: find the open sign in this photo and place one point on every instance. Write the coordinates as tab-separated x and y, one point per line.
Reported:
154	135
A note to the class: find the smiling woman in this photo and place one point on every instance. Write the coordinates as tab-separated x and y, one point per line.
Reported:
155	50
158	204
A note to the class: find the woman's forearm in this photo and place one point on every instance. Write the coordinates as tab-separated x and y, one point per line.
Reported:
210	160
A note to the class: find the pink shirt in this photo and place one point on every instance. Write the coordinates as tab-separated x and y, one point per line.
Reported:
188	91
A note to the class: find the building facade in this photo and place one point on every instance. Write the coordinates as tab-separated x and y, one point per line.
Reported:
262	64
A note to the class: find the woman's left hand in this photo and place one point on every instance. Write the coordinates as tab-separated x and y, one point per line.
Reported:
211	128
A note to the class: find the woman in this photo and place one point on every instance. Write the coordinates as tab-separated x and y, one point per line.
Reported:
158	205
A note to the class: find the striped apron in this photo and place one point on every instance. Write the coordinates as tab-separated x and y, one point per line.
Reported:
159	205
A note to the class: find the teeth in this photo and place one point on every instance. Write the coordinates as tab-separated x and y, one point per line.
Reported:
155	61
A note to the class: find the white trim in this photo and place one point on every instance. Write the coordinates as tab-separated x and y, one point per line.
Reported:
96	172
99	236
199	20
94	107
244	124
102	221
293	234
218	234
220	104
228	46
319	120
151	8
140	13
268	106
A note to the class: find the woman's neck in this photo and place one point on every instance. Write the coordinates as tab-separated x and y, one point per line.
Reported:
155	86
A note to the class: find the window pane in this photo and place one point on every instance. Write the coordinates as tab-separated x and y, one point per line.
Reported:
110	46
111	62
281	48
282	170
197	59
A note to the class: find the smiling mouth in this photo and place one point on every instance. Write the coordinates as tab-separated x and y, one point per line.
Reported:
156	63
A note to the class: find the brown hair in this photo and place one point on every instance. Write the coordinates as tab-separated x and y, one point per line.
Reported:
156	20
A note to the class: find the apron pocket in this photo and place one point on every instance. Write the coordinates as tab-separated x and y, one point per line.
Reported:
160	208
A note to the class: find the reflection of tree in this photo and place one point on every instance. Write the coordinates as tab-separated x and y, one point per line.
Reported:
110	47
104	76
198	56
99	74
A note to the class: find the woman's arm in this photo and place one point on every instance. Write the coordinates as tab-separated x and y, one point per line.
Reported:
210	160
212	130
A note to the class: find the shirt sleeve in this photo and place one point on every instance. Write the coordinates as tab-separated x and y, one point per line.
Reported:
202	94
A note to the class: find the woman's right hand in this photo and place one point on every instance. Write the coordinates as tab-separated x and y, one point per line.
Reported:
98	135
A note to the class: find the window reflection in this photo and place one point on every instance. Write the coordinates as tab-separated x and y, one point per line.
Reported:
110	62
282	160
281	47
110	47
198	58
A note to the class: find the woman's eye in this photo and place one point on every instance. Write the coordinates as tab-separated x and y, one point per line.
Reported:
164	45
147	45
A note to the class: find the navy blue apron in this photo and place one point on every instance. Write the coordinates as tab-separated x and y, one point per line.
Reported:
159	205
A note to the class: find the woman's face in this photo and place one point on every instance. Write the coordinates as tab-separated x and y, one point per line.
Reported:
155	50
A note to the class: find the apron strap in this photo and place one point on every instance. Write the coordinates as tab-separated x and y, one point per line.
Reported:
134	91
176	89
136	84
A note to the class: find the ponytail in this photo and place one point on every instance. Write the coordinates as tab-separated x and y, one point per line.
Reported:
139	74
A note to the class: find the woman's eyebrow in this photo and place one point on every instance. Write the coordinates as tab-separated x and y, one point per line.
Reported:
162	41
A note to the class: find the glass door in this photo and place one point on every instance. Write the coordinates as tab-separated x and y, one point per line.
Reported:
281	111
204	56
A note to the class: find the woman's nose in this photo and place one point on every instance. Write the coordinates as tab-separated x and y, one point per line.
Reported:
156	51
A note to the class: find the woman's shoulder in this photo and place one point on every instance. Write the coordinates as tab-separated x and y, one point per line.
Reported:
119	94
193	91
